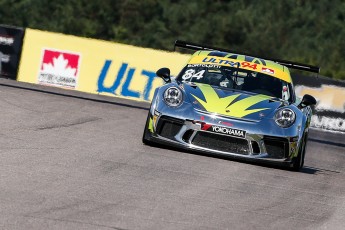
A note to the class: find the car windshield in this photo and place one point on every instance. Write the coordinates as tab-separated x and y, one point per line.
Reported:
239	79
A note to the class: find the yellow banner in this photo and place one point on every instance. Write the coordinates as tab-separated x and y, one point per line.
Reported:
94	66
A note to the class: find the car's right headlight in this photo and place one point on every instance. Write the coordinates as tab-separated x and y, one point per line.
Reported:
285	117
173	96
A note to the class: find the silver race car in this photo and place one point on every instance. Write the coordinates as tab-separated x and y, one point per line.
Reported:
234	105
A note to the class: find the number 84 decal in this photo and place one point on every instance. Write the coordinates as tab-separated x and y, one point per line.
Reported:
191	74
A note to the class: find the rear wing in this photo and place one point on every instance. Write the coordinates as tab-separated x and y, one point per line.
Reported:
289	64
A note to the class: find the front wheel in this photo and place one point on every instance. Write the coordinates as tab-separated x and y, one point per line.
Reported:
299	161
146	134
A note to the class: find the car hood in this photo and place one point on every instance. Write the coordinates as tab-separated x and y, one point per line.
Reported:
229	102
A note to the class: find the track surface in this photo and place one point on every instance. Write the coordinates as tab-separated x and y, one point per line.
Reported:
73	163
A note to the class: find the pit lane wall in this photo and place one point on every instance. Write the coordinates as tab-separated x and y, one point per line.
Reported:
113	69
94	66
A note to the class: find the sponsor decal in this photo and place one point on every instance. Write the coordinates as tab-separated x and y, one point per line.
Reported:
5	58
267	70
125	74
225	123
203	65
224	130
205	126
191	74
59	68
220	61
227	62
8	41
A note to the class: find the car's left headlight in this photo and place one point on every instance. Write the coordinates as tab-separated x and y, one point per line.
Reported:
173	96
285	117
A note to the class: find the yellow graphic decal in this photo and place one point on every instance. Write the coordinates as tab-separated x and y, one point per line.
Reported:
222	105
150	125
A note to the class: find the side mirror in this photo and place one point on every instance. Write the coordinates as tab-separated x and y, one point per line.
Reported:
164	73
307	100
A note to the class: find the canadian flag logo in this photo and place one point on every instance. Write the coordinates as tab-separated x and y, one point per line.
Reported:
267	70
59	68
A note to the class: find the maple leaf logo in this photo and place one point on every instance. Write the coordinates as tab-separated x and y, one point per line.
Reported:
59	67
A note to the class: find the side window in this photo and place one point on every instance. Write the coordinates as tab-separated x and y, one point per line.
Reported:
286	92
292	91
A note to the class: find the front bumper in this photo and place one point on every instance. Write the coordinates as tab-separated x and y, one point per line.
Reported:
189	134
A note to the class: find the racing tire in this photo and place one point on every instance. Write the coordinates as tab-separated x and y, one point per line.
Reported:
146	134
299	161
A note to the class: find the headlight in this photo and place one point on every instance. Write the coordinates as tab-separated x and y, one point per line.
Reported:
173	96
285	117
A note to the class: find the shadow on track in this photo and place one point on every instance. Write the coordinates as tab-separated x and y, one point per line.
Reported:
313	170
305	169
327	142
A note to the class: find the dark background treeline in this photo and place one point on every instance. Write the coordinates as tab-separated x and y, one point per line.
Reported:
311	32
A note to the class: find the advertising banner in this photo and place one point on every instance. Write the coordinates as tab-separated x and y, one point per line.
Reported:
329	112
113	69
11	39
94	66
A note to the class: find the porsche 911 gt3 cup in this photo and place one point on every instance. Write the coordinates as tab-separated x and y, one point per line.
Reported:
234	105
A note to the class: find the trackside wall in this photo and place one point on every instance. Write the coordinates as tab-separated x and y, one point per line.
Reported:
108	68
94	66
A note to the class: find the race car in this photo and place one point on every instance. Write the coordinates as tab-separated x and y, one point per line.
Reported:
234	105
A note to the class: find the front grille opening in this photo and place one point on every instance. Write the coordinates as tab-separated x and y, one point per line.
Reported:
277	148
168	127
255	147
221	143
187	135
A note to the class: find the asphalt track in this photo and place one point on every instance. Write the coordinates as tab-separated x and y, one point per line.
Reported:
70	160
